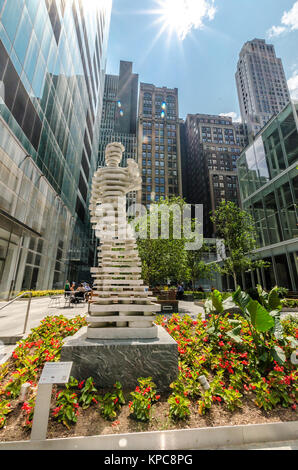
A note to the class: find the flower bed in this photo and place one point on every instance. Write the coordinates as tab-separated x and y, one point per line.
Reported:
41	293
290	304
42	345
244	386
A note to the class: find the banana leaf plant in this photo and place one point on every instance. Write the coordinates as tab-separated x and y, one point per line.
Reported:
263	319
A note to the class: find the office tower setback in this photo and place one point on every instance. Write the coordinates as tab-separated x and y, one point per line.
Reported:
159	143
261	84
52	66
119	116
213	145
119	113
268	181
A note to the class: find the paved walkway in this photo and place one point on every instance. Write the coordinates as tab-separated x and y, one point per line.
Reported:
12	318
191	309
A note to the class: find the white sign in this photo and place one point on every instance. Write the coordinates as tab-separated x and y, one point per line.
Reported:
55	373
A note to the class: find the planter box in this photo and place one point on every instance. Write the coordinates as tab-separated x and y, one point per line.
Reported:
200	303
186	439
168	303
188	297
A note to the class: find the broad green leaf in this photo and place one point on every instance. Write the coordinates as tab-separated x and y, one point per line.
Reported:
211	330
260	318
278	355
262	293
235	334
208	306
278	328
241	299
216	298
274	300
229	304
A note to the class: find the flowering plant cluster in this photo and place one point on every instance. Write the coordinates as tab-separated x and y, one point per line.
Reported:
89	393
226	350
83	394
179	407
28	410
42	345
110	404
67	402
5	408
143	398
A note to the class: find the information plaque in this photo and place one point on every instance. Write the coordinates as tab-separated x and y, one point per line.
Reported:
55	373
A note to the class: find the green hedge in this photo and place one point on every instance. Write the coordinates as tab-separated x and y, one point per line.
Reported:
290	303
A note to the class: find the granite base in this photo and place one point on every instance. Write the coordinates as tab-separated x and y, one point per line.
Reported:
123	360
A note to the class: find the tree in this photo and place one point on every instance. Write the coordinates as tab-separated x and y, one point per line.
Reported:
237	229
162	258
198	268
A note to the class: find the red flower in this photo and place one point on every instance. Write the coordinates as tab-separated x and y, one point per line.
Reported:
157	397
148	407
294	407
116	400
81	384
177	401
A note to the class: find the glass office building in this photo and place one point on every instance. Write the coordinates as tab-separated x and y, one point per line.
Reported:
52	68
268	179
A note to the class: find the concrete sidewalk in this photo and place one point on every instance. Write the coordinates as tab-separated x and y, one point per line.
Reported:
191	309
12	318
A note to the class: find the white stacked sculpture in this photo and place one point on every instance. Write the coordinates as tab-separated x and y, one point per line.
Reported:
121	306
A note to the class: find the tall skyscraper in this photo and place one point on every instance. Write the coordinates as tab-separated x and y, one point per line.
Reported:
119	113
52	67
214	144
261	84
159	143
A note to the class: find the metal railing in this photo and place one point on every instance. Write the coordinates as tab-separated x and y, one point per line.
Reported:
28	307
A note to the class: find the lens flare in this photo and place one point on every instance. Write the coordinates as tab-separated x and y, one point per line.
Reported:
181	16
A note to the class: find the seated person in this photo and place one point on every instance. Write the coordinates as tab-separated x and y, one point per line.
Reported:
79	294
88	292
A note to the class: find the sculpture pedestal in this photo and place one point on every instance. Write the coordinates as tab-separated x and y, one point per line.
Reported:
125	360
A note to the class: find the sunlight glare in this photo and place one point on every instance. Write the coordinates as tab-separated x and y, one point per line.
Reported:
181	16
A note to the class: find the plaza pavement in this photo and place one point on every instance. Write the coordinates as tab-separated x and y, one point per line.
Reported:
12	317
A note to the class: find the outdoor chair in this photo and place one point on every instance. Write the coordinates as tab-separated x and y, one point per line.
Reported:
55	301
68	296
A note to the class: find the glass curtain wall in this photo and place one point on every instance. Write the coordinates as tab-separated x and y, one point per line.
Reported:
268	179
52	67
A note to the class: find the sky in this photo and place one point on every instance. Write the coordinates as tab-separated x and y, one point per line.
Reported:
194	45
